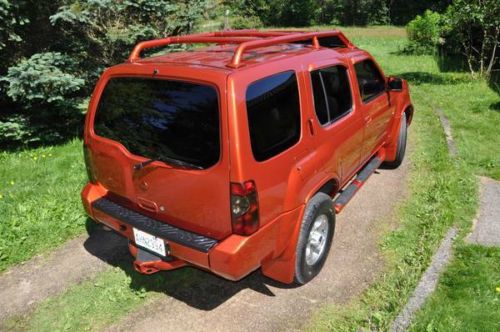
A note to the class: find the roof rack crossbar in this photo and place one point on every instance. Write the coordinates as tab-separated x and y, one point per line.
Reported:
284	38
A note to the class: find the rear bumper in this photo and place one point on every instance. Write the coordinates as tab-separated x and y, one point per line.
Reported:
232	258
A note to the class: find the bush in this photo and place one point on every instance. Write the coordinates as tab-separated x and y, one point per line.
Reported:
45	88
251	22
472	29
43	79
15	129
424	33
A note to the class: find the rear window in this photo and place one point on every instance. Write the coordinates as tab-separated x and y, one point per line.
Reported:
164	120
273	114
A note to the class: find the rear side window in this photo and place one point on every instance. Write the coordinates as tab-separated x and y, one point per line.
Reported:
171	121
370	81
273	114
332	93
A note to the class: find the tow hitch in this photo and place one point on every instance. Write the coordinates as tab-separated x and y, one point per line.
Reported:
147	263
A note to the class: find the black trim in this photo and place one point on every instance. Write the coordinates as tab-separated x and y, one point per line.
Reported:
346	195
369	169
155	227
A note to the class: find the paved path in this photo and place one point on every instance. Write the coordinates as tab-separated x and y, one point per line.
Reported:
256	303
486	229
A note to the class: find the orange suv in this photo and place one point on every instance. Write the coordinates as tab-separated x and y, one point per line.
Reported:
237	156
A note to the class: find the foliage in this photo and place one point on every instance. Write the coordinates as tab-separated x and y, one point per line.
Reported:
424	33
473	27
55	50
10	21
108	29
15	128
342	12
250	22
43	78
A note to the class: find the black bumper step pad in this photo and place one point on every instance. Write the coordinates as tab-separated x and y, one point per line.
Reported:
154	227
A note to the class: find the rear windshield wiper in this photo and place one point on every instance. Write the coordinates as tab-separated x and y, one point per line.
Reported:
170	161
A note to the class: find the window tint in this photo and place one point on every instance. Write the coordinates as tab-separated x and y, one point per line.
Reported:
273	114
370	80
161	119
332	93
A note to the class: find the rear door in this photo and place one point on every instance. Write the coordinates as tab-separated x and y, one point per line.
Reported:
156	146
374	105
341	129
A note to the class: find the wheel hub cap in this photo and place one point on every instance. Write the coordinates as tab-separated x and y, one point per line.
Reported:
316	242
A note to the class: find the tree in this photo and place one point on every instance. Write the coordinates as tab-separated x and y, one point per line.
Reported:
53	51
473	26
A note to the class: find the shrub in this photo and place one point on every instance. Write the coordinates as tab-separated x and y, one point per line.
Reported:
250	22
44	78
46	90
15	129
472	29
424	33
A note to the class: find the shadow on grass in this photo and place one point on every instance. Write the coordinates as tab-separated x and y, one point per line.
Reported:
494	82
198	289
418	78
39	131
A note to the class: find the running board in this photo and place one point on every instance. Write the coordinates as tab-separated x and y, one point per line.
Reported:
349	192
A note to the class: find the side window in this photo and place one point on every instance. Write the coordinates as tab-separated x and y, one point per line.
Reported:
273	111
370	80
332	93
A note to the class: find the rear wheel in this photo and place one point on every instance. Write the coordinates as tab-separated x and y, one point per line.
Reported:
315	239
401	148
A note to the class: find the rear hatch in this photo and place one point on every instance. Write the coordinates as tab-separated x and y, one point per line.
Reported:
155	144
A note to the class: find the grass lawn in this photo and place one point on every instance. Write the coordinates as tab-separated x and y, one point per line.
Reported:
468	295
40	204
441	194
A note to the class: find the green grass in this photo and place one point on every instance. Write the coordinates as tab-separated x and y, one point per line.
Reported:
40	204
468	295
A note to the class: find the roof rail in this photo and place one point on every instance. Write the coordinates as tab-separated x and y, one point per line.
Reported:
247	40
218	37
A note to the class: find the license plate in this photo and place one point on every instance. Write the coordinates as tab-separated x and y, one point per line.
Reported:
150	242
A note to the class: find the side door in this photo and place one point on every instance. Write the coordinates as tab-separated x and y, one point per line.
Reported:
375	105
341	128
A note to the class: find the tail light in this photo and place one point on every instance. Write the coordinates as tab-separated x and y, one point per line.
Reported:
88	164
244	208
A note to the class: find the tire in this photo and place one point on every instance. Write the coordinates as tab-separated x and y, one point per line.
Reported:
401	149
316	232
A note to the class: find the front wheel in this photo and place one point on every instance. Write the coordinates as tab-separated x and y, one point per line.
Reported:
315	239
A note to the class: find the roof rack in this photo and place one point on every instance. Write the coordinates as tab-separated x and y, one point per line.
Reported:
247	40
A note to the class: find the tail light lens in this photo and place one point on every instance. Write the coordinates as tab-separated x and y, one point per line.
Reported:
88	164
244	208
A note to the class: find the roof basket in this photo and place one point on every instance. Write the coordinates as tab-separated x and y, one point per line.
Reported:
247	40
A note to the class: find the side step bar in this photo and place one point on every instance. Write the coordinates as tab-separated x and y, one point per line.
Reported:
345	196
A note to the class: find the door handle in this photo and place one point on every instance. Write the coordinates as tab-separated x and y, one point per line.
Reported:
368	119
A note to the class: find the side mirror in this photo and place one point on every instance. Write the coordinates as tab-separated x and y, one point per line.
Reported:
394	84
